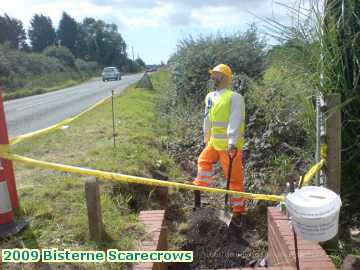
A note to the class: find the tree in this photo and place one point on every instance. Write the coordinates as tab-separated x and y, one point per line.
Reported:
140	62
12	30
243	52
81	49
131	66
67	32
62	53
101	42
41	33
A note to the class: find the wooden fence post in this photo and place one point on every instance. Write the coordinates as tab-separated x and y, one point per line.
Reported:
333	160
333	140
93	204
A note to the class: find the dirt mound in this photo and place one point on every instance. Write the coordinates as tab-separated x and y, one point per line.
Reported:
217	246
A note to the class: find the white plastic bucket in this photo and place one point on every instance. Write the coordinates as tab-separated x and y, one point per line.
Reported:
314	212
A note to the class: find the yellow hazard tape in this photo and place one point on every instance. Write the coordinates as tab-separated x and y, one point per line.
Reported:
313	170
323	151
131	179
317	167
44	131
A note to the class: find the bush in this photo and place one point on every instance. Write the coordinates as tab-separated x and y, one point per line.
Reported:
29	72
16	66
61	53
243	52
85	66
131	66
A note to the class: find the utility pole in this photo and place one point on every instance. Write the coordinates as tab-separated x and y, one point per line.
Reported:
132	48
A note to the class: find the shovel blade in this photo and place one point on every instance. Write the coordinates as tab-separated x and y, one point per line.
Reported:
225	216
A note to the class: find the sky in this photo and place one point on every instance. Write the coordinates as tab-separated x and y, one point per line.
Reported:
153	27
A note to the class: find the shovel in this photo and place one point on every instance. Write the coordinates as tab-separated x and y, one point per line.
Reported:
226	214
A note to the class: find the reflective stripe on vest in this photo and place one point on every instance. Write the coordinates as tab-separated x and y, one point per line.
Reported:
219	124
219	116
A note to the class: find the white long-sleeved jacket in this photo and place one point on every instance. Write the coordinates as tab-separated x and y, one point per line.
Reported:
237	115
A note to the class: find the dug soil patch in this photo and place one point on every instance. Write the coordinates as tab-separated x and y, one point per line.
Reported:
215	245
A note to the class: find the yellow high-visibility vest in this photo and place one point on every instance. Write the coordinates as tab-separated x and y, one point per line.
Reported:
219	116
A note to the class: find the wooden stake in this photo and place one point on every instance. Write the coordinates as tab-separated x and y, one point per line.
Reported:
93	204
333	140
333	161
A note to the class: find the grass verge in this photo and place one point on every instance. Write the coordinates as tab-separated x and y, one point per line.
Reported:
54	202
48	83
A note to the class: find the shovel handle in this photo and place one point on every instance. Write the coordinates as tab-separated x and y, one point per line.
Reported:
231	159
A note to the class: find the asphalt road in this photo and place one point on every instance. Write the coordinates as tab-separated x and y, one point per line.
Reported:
36	112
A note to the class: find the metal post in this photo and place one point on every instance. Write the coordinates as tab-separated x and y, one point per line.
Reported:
317	153
321	108
7	164
113	115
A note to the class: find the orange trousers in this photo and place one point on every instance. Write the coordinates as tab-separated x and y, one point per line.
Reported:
207	158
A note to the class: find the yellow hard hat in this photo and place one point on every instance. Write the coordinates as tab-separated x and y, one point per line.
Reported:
224	69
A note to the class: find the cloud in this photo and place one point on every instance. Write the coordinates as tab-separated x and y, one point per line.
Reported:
206	14
152	13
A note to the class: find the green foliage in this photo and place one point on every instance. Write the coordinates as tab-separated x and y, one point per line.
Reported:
41	32
12	30
24	73
131	66
86	66
243	52
145	82
100	42
327	41
341	72
67	32
61	53
140	62
91	40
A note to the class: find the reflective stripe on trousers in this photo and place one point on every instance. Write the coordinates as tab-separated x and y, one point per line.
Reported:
237	202
205	173
204	178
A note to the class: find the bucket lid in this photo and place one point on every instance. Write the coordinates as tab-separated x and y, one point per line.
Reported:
312	201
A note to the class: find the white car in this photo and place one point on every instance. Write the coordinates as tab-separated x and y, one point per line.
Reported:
111	73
